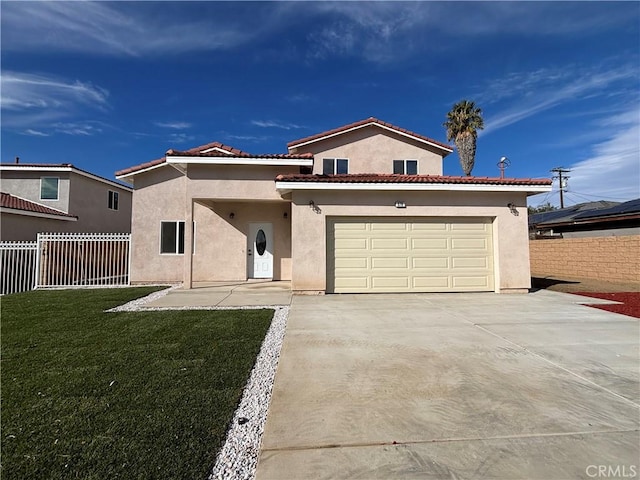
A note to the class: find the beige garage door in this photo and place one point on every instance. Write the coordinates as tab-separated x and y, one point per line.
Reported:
367	255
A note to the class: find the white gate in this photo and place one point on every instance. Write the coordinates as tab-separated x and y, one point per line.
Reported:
83	259
18	263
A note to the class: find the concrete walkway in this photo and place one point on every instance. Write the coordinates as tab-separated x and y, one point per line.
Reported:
227	294
453	386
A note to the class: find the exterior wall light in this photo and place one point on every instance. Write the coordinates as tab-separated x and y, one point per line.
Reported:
400	204
232	215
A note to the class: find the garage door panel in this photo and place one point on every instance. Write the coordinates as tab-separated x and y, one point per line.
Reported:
351	244
469	226
431	226
390	262
470	282
409	255
389	243
385	227
350	283
469	244
429	243
379	282
352	262
430	262
440	283
470	262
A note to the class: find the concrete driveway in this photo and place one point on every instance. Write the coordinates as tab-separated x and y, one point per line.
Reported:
454	386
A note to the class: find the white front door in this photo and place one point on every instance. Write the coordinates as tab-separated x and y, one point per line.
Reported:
260	250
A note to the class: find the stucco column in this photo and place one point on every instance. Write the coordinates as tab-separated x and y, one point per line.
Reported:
188	245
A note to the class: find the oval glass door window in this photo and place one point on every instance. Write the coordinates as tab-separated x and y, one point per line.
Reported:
261	242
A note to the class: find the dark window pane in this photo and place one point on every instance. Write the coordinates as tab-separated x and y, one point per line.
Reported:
180	237
398	167
261	242
327	166
168	237
342	166
115	200
412	167
49	188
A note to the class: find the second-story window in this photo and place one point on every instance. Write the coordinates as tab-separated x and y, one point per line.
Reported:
113	200
334	166
49	188
405	167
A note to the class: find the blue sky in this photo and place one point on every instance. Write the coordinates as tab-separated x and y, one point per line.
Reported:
105	86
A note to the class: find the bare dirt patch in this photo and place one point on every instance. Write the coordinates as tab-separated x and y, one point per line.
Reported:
627	293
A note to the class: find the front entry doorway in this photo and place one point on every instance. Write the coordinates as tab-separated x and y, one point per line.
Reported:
260	250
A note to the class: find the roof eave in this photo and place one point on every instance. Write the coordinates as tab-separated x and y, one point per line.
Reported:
305	162
288	186
302	143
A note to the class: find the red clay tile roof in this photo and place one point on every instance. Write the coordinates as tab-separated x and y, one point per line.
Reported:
198	152
142	166
38	165
393	178
188	153
17	203
361	123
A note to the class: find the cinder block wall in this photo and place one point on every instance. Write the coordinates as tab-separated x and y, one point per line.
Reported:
602	258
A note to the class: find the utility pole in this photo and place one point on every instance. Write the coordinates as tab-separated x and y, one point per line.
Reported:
562	181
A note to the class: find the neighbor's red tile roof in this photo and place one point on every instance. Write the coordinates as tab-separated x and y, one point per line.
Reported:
17	203
361	123
201	152
393	178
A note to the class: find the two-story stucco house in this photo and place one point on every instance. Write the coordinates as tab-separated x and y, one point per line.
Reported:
361	208
60	198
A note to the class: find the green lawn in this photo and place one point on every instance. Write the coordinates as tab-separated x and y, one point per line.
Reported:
94	395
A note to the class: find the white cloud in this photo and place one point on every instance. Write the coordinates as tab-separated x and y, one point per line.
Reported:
612	170
30	100
23	91
274	124
174	125
120	28
529	93
35	133
181	138
77	129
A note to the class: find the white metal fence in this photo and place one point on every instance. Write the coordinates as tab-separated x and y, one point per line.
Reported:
18	263
66	260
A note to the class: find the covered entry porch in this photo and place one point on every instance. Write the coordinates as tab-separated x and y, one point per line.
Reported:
238	240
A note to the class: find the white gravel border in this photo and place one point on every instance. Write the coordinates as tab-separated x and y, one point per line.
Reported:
238	457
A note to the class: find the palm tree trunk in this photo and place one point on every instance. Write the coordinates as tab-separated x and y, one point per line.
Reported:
466	144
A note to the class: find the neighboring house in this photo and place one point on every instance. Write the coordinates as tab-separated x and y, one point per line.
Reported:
591	219
60	198
361	208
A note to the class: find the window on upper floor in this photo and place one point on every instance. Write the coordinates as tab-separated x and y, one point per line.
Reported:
405	167
335	166
49	188
113	200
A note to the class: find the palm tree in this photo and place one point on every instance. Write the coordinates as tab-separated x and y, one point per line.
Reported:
463	122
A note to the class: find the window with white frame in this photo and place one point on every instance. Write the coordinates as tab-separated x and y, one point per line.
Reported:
334	166
113	200
172	238
405	167
49	188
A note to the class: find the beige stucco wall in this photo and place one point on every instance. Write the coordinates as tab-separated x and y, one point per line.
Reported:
84	197
26	227
308	251
26	184
164	194
372	150
89	201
